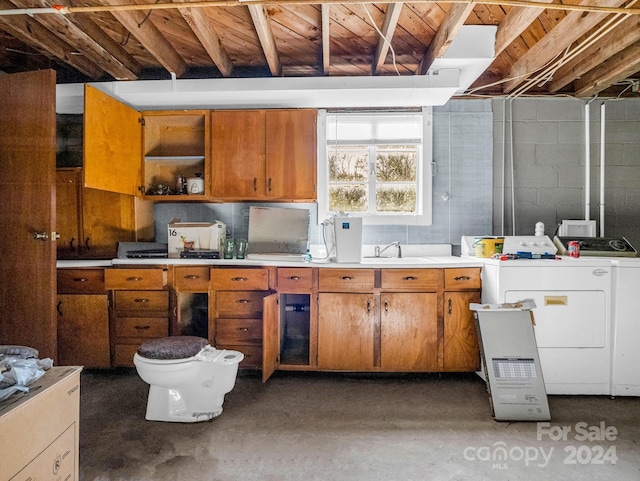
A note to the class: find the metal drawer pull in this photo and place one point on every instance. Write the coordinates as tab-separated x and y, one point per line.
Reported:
192	277
410	278
142	300
243	301
80	279
239	279
462	278
294	278
347	278
142	328
134	279
243	329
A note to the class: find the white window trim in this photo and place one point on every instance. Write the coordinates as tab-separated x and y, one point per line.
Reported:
425	184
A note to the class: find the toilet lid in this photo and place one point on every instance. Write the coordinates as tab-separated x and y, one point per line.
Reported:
173	347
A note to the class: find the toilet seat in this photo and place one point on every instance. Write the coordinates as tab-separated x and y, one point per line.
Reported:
172	349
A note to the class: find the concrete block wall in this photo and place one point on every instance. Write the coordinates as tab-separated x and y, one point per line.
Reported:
548	150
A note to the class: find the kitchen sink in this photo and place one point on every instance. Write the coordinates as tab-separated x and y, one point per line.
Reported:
396	260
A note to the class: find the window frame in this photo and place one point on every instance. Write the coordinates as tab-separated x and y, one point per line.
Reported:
424	216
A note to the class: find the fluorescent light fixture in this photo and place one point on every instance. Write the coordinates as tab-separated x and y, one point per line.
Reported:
435	88
472	51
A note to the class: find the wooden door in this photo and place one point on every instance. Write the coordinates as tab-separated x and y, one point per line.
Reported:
409	332
346	331
461	349
68	212
238	154
112	144
291	154
27	190
83	330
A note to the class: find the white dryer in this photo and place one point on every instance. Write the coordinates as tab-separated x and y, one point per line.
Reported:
573	316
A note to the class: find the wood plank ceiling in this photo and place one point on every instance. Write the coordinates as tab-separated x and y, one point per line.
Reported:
570	47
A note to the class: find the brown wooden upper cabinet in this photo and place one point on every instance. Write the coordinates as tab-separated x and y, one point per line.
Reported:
144	153
264	155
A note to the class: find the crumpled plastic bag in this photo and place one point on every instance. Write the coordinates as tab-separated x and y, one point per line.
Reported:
16	374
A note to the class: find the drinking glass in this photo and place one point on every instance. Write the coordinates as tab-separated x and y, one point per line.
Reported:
241	248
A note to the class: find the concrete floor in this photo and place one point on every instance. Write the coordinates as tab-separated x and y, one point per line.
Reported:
315	426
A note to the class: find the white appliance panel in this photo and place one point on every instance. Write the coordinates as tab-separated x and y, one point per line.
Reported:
626	329
567	318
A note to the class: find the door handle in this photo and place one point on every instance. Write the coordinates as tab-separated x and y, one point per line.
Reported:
43	236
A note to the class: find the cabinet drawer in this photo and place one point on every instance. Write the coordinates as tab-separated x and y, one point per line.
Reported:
457	279
239	303
339	280
142	301
295	279
239	279
238	331
191	279
80	281
412	279
135	278
142	327
252	354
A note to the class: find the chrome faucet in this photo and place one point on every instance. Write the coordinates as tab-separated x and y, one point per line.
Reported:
378	251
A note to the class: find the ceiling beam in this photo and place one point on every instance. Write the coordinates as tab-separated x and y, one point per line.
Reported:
573	26
514	23
620	38
265	34
31	33
96	46
142	28
617	68
388	29
449	27
202	28
326	22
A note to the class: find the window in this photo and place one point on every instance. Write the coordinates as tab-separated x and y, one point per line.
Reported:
375	165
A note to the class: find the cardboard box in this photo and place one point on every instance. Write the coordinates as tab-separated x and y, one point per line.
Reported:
40	428
195	235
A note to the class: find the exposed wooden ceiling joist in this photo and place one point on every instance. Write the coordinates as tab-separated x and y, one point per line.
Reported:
138	25
388	28
571	28
446	33
261	23
29	31
515	22
617	68
202	28
625	35
326	32
112	58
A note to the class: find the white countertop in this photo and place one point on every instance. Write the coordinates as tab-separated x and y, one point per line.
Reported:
423	256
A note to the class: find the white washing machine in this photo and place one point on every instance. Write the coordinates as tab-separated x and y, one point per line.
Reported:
573	316
625	372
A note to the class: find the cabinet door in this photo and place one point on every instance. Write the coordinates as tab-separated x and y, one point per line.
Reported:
108	218
238	154
83	330
409	332
68	211
112	144
461	349
270	336
291	150
346	328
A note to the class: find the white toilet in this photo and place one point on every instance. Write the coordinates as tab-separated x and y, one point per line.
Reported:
187	377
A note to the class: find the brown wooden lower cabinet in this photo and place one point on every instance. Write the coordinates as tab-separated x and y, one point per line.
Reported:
333	319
